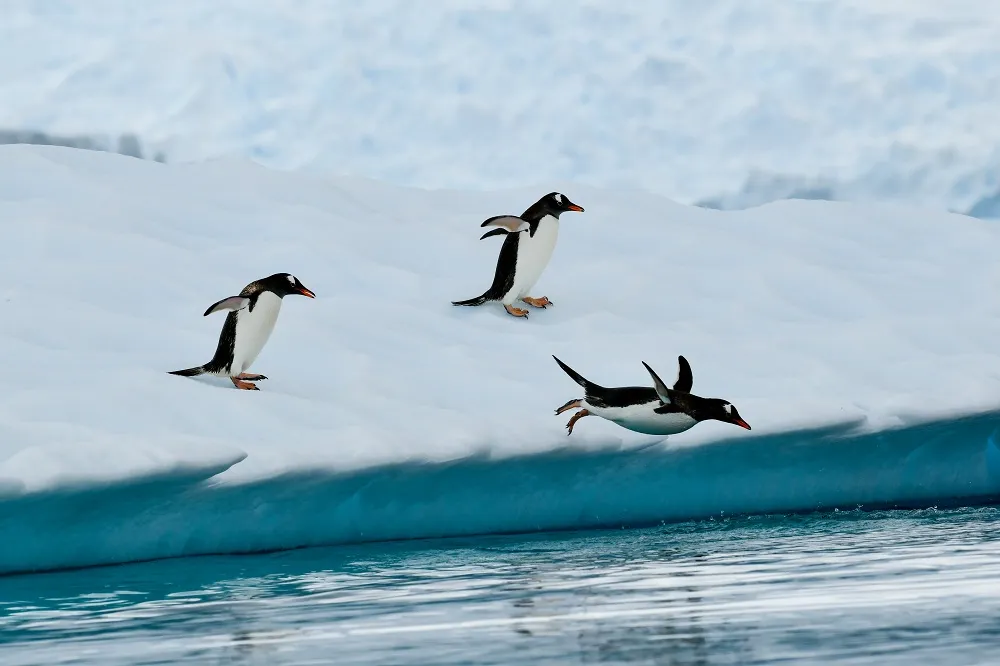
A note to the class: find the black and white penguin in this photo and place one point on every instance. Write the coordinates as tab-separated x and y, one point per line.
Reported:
652	411
251	319
527	248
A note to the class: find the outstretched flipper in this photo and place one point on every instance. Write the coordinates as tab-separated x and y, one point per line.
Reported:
685	380
506	224
232	303
511	223
495	232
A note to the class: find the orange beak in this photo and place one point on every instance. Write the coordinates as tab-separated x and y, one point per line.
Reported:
578	209
306	292
741	423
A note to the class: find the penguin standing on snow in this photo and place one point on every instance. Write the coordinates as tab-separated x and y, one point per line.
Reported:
525	253
652	411
251	319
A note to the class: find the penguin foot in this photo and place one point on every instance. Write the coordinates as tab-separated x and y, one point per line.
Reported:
576	417
517	312
247	377
572	404
240	384
537	302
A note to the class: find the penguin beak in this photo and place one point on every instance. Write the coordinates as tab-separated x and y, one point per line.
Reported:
741	423
574	207
306	292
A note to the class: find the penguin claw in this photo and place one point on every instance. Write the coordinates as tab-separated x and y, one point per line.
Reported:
542	302
245	386
516	312
247	377
576	417
572	404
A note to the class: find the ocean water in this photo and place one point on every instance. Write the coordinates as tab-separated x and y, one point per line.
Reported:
852	587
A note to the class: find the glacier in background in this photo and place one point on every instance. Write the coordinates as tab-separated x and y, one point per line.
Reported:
724	102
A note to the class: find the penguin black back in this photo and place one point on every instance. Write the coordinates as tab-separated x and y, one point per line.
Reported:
223	356
602	396
503	278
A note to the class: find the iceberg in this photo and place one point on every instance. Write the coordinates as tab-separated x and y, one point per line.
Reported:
858	340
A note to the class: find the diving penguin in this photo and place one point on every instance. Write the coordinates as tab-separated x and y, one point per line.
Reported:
652	411
527	248
251	319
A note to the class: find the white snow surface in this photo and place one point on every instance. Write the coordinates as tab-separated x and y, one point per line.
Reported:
889	100
800	313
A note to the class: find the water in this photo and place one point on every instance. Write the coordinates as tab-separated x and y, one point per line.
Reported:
854	588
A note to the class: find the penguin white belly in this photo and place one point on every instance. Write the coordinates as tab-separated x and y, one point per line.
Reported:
533	254
253	330
642	418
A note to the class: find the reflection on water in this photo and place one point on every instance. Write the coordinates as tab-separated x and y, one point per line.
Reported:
898	588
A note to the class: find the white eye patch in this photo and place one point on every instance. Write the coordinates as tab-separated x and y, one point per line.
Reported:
728	408
291	278
559	198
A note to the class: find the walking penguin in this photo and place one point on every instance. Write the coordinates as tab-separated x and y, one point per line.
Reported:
248	326
526	250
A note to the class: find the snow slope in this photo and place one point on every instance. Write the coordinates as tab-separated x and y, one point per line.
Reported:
389	413
889	100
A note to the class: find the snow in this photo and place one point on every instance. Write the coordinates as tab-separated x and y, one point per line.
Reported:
389	413
885	100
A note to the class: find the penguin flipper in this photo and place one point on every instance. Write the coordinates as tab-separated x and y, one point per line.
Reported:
232	303
512	223
661	389
494	232
685	380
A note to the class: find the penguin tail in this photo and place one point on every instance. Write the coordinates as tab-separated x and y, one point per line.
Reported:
478	300
588	386
190	372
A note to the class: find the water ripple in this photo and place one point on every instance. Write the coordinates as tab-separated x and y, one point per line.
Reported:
845	587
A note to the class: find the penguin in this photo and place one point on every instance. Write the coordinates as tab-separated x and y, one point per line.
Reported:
526	250
248	325
652	411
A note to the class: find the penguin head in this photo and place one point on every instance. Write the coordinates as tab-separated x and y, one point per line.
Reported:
285	284
555	203
715	409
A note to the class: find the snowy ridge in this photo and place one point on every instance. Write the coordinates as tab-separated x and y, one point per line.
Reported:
806	315
893	99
